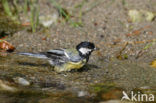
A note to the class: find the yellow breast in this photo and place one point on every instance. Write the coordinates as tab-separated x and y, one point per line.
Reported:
70	65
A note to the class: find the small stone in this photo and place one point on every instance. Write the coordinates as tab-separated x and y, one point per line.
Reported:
22	81
82	93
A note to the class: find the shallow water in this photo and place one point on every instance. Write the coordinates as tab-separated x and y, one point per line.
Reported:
91	84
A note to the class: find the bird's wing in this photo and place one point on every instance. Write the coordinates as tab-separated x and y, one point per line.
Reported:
72	55
58	52
56	56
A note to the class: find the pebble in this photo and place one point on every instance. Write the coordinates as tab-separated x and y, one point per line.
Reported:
82	93
21	81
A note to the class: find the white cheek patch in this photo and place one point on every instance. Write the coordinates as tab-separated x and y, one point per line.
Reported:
85	50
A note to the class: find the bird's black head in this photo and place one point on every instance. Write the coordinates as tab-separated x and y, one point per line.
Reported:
85	48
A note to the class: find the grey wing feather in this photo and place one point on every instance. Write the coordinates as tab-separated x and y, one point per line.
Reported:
73	55
56	56
70	54
59	52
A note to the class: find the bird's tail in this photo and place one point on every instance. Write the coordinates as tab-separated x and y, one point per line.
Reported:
36	55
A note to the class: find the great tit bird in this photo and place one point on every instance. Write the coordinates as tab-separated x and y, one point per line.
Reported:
67	59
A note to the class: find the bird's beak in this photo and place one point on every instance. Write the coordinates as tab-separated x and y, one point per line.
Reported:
96	48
